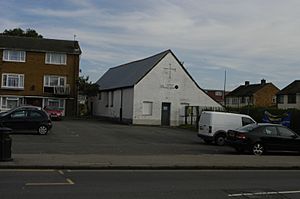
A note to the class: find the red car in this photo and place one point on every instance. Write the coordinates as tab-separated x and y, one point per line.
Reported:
55	113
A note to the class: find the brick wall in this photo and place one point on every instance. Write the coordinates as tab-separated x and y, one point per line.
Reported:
34	69
264	97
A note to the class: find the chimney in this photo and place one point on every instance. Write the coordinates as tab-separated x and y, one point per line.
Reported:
247	83
263	81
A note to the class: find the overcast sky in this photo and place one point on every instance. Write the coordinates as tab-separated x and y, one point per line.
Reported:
251	40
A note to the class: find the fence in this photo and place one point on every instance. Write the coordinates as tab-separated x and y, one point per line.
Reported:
192	114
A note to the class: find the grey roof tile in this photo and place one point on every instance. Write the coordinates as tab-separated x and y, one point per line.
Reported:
292	88
127	75
39	44
244	90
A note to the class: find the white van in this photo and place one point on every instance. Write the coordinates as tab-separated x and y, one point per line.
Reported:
214	125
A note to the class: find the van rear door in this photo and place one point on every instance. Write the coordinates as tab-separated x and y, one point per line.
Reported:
204	123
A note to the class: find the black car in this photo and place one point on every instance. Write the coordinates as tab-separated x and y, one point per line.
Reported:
258	138
26	119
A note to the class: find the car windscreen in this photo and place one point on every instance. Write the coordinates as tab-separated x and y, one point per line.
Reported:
8	112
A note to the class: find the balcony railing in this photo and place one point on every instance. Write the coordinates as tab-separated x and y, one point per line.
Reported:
62	90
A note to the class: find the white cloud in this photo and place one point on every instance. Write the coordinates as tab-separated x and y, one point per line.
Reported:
258	38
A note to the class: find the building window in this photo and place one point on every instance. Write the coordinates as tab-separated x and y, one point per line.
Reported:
243	100
235	100
10	102
280	99
147	108
274	99
52	81
57	103
56	58
15	81
218	93
112	98
14	55
107	99
292	99
228	100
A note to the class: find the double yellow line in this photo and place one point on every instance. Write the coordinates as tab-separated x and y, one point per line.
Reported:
68	181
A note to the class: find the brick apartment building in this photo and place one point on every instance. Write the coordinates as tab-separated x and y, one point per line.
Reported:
39	72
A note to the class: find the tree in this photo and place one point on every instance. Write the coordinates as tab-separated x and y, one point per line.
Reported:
21	33
87	87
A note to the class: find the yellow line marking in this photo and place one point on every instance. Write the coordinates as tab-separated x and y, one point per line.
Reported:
70	181
27	170
263	193
48	184
61	172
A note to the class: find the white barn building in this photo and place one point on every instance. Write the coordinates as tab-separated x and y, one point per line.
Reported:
151	91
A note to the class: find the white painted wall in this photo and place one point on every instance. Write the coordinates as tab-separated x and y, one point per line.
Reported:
152	88
108	107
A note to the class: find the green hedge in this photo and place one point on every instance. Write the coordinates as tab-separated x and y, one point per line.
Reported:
258	114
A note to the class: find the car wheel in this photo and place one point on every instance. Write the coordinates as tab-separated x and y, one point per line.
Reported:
220	140
258	149
42	130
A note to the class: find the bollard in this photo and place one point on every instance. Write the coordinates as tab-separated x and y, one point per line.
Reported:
5	144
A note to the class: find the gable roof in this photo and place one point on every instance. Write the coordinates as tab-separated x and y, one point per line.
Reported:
292	88
246	90
39	44
127	75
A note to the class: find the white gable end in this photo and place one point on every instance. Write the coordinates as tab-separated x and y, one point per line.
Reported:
167	83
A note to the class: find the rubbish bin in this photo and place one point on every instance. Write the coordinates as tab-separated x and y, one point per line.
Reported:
5	144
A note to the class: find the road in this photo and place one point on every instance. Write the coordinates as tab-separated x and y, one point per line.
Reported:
210	184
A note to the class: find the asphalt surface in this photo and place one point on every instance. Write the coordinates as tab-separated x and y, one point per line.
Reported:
90	144
94	137
76	184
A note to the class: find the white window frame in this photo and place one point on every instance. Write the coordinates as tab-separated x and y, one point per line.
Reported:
61	102
218	93
4	102
147	108
21	78
47	83
7	56
50	61
235	100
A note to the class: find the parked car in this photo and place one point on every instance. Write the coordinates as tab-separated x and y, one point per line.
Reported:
26	119
214	125
259	138
55	113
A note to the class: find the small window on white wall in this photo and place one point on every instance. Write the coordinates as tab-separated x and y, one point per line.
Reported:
147	108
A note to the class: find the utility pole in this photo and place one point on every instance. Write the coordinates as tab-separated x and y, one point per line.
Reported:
224	89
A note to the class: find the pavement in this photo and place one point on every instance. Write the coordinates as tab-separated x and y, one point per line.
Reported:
95	161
